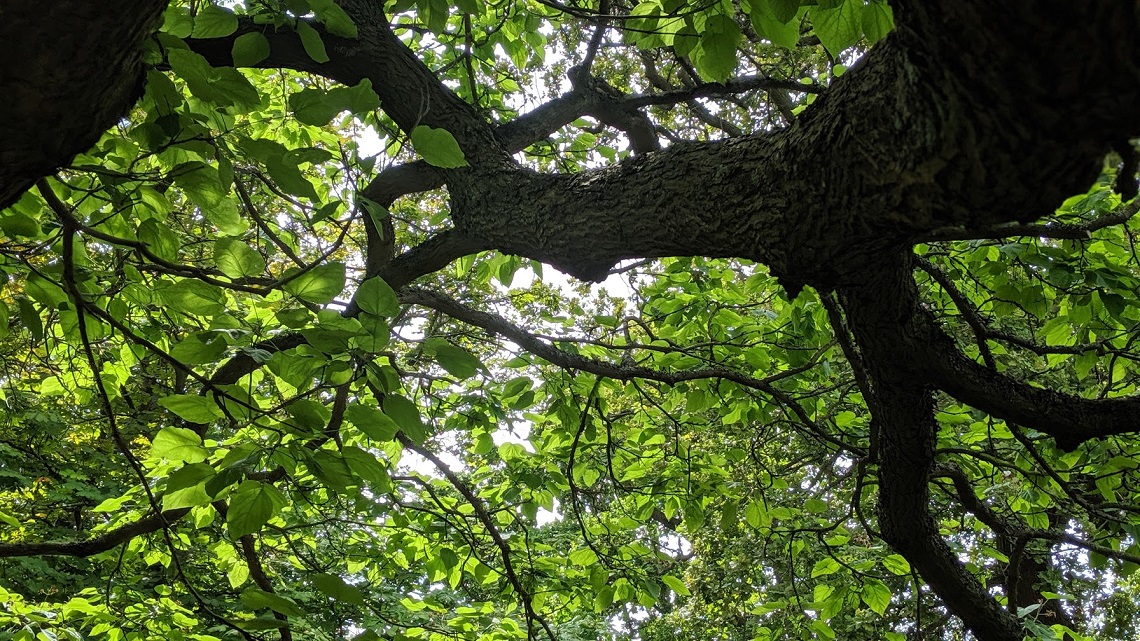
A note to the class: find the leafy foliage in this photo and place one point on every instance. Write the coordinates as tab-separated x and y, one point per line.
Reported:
223	422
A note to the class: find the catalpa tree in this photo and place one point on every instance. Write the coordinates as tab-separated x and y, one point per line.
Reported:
304	336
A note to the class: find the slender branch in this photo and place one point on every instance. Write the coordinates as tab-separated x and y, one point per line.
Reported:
1069	231
485	518
96	545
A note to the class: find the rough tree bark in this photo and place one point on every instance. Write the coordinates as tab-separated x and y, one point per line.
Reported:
71	69
973	113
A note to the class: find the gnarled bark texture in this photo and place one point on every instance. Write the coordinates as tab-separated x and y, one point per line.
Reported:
70	70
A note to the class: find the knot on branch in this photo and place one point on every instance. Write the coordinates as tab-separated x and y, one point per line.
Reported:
607	104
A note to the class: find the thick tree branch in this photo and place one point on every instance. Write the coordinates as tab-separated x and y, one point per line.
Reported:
72	68
286	52
816	201
903	407
1070	420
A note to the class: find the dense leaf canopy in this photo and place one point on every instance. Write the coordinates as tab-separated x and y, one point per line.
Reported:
569	320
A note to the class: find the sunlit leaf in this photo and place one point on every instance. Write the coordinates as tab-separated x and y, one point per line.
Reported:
236	259
192	408
438	147
319	285
376	297
251	507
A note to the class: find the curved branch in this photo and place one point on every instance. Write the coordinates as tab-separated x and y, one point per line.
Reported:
1058	231
499	325
1069	419
98	544
903	407
287	52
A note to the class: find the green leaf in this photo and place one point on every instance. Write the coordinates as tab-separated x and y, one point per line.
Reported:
308	414
30	318
377	425
838	28
192	350
878	20
375	296
438	147
16	224
434	13
455	360
754	514
236	259
377	212
319	285
782	10
584	557
715	56
249	49
333	470
285	172
251	507
368	468
360	98
334	18
201	183
160	239
783	33
214	22
314	107
192	408
876	595
815	506
256	599
192	296
185	487
177	22
44	291
822	629
896	564
335	587
222	86
407	417
311	41
676	585
178	443
825	566
1114	304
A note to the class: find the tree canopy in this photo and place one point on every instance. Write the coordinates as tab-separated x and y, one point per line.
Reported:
569	319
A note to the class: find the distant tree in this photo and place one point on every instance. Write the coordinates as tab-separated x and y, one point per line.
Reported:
283	355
